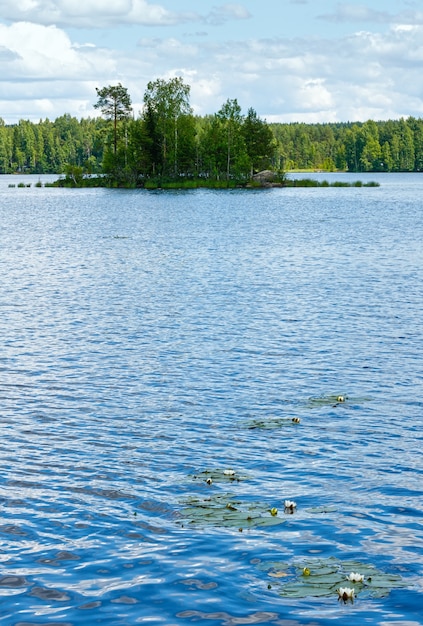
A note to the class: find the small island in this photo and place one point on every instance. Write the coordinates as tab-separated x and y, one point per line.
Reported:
168	147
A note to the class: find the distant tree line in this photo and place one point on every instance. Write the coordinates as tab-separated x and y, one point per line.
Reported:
167	142
388	146
49	147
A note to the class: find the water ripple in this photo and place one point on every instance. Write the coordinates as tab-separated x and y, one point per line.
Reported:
150	337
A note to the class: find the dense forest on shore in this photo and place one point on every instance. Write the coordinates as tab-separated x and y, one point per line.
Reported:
168	142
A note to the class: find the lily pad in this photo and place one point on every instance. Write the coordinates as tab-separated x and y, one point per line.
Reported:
273	423
339	399
227	475
320	578
223	510
331	400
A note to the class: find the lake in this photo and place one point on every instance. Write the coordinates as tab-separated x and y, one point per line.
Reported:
176	367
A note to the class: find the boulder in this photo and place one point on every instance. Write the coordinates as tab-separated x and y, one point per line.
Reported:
266	176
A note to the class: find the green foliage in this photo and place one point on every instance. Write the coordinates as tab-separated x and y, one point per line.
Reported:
168	147
260	143
47	147
169	126
115	104
75	174
312	182
323	577
227	511
229	123
391	146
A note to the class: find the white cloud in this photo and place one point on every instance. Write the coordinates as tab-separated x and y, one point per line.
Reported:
360	76
100	13
355	13
92	13
226	12
345	12
87	8
156	48
43	73
35	50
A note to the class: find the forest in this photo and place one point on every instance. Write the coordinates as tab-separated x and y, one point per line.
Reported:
168	142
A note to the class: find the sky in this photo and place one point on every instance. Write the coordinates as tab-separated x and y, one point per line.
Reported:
290	60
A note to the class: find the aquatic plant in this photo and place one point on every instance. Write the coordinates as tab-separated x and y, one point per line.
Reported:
326	577
290	506
272	423
219	476
223	510
327	400
346	594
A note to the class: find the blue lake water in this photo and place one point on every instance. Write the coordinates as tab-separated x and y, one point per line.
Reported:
271	341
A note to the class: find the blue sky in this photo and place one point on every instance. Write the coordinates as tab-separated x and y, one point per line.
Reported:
291	60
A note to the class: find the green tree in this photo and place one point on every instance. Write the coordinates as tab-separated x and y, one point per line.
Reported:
395	147
259	141
386	156
417	128
340	160
115	104
371	154
51	147
212	149
231	120
407	152
354	144
4	152
167	112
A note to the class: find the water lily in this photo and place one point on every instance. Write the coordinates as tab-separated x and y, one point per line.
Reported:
229	472
274	511
340	399
296	420
290	506
209	481
355	577
306	571
345	594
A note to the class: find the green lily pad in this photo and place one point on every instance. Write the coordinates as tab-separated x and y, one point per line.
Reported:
227	475
322	577
222	510
339	399
273	423
336	399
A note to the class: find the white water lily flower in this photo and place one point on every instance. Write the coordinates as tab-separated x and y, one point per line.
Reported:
290	505
346	593
355	577
229	472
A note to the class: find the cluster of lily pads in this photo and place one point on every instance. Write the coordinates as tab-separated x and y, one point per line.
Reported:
326	577
225	510
273	423
316	578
